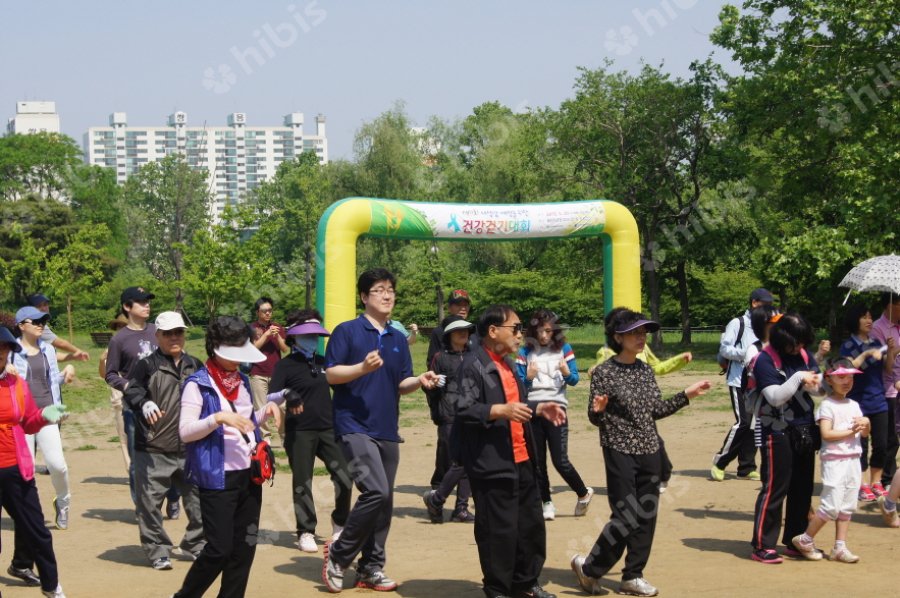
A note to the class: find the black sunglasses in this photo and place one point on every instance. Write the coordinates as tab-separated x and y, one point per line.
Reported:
517	328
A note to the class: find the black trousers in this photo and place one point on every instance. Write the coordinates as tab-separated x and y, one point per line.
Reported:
665	464
32	538
302	447
453	476
632	483
231	525
739	441
556	440
509	531
878	439
442	460
890	449
787	477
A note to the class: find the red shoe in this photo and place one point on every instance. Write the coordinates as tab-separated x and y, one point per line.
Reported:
866	494
878	490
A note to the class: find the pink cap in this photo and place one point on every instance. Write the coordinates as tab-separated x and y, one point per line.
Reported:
842	371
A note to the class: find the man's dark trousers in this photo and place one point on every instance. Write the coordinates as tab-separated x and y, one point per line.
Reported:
509	531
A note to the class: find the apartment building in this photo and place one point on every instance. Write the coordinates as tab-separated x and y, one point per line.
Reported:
237	156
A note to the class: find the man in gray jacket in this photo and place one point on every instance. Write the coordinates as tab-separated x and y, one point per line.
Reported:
154	394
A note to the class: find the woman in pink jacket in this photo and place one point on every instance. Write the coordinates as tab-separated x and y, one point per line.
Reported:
18	493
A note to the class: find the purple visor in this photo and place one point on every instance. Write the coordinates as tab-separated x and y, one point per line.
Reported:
650	325
308	327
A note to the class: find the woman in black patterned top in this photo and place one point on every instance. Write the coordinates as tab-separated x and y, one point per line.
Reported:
626	402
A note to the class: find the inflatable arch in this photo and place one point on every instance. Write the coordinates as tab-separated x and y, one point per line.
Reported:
345	221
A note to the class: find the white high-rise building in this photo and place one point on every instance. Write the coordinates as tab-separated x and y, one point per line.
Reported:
34	117
238	157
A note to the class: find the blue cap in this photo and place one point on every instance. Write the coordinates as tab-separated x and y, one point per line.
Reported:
31	313
6	337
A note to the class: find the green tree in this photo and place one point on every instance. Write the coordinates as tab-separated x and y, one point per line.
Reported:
390	157
36	165
815	116
96	198
289	210
642	140
168	203
24	266
223	267
76	270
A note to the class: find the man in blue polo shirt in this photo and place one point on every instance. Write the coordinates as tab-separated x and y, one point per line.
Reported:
369	366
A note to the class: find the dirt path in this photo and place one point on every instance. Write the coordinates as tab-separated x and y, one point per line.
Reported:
701	545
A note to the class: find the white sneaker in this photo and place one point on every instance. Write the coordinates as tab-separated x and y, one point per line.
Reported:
637	587
61	507
57	593
589	584
336	531
549	511
307	543
581	507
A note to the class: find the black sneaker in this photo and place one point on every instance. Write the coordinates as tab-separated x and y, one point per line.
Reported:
536	591
435	513
28	576
462	516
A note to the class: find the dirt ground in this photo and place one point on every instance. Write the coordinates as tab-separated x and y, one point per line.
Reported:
701	546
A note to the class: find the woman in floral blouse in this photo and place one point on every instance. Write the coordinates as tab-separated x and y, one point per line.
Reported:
626	402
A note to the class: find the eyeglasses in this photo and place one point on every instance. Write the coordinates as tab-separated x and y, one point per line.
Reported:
517	328
382	291
173	332
265	311
40	323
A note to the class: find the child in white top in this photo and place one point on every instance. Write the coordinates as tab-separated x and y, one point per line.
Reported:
841	423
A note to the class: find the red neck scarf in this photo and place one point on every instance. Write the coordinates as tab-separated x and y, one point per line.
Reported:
227	382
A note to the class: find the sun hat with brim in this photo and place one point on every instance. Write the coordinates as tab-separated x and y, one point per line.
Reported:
7	338
118	322
308	327
842	371
649	324
31	313
458	325
245	353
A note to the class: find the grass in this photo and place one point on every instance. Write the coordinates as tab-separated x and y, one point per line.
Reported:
89	390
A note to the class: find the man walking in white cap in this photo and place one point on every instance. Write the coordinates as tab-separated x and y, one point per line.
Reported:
154	395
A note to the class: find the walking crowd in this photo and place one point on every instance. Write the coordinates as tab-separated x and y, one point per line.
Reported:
193	433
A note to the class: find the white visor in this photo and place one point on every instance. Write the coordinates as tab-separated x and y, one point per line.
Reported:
246	353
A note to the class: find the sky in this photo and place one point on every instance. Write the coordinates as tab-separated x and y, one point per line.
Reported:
349	60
